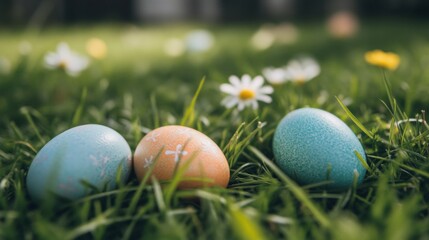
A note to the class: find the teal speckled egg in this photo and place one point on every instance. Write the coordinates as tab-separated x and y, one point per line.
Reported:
92	153
311	145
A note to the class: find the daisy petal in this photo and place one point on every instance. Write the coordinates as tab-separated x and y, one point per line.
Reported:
240	106
77	64
266	90
245	81
255	104
312	71
257	82
63	49
264	98
226	99
230	102
72	73
228	88
235	81
51	60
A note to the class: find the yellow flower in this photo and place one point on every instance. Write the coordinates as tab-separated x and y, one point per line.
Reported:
382	59
96	48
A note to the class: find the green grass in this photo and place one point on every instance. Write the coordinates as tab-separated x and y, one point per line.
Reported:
138	88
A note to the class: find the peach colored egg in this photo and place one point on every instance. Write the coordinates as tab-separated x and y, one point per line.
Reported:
171	148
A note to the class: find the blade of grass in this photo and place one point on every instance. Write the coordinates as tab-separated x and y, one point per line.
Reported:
355	120
235	146
393	103
27	145
137	134
157	190
78	113
179	172
418	171
26	113
142	185
189	116
299	193
362	161
244	227
16	130
100	220
155	111
131	226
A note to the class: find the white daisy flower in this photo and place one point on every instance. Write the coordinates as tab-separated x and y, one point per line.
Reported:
199	41
302	70
245	92
274	76
64	58
262	39
174	47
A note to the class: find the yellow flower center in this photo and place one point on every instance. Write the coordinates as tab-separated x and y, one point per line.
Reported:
62	64
246	94
299	80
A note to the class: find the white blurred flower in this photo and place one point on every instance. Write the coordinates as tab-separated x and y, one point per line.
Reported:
174	47
302	70
25	48
5	66
343	24
245	92
199	41
274	76
4	183
268	34
205	121
64	58
286	33
323	97
345	100
262	39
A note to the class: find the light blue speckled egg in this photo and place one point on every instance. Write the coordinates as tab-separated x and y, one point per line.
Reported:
93	153
311	145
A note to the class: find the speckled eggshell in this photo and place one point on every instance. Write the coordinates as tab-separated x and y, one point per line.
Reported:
176	146
311	145
92	153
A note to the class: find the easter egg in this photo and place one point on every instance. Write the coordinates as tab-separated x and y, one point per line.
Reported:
311	146
91	153
171	149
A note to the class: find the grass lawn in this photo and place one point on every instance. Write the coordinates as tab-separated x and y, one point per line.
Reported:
137	87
